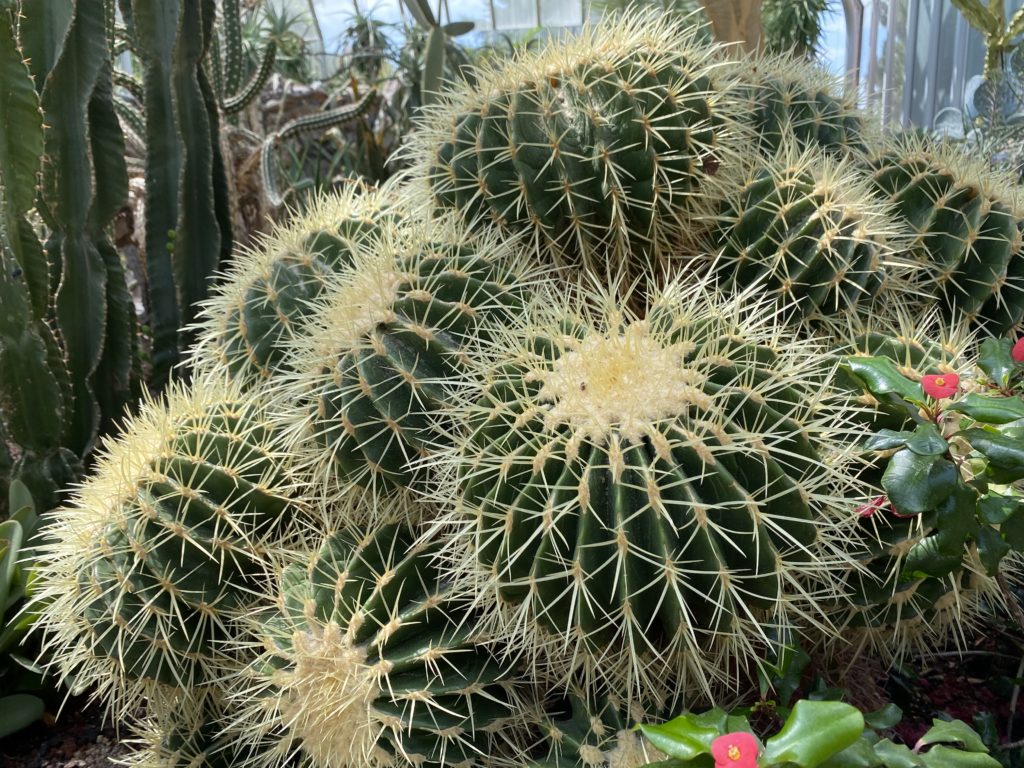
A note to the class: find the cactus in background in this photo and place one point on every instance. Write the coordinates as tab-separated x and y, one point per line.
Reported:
232	95
644	497
807	229
788	97
966	222
161	547
184	733
370	378
263	304
188	226
595	145
372	660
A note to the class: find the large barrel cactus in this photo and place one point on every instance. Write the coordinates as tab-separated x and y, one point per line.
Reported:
371	376
261	307
966	225
160	549
595	145
372	660
643	496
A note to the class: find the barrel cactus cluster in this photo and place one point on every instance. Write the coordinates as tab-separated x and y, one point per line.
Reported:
557	433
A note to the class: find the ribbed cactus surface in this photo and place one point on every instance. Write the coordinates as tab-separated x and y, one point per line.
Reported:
644	495
262	306
966	222
807	230
593	144
159	550
371	660
370	379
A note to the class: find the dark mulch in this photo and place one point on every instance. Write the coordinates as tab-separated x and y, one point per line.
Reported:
78	738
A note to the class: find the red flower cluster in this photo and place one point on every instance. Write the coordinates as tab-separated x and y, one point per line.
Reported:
940	385
735	750
1017	353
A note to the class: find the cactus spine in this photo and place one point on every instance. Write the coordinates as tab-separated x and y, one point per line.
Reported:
593	145
160	548
371	660
643	497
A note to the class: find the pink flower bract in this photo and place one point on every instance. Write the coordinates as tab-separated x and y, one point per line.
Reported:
940	385
735	750
1017	353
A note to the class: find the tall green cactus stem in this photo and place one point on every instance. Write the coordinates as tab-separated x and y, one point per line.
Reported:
593	144
645	497
162	546
314	123
262	305
226	62
792	98
367	398
966	220
372	660
807	229
599	732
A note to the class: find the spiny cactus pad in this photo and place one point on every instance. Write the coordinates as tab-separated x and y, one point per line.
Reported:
146	568
966	221
370	379
643	496
808	229
262	305
372	661
594	144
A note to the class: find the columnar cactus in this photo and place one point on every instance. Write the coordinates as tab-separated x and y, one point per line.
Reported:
593	144
807	229
372	660
966	221
370	377
644	496
262	306
159	549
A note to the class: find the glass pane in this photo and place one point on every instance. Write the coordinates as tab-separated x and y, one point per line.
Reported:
515	14
560	13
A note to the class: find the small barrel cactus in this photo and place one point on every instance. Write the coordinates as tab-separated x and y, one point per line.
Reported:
966	222
372	660
644	496
370	377
158	551
807	229
184	733
264	301
593	144
790	98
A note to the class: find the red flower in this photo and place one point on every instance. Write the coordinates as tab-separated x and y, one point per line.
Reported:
940	385
1017	353
877	504
735	750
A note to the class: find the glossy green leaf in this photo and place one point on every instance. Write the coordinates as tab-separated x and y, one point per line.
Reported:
929	558
881	378
887	439
946	757
886	717
995	360
916	483
433	66
19	711
1013	530
896	755
989	409
995	509
458	28
1005	454
683	738
927	440
814	731
991	549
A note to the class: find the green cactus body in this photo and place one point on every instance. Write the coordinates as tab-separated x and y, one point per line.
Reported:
966	221
184	733
263	304
594	144
807	230
792	98
371	377
159	549
372	660
594	734
644	495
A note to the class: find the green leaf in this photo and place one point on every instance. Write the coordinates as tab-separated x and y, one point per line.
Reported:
433	66
860	754
883	718
995	360
887	439
420	9
683	738
1005	454
946	757
896	755
929	558
927	440
881	378
991	549
458	28
989	409
957	519
19	711
916	483
1013	530
814	731
19	498
995	508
